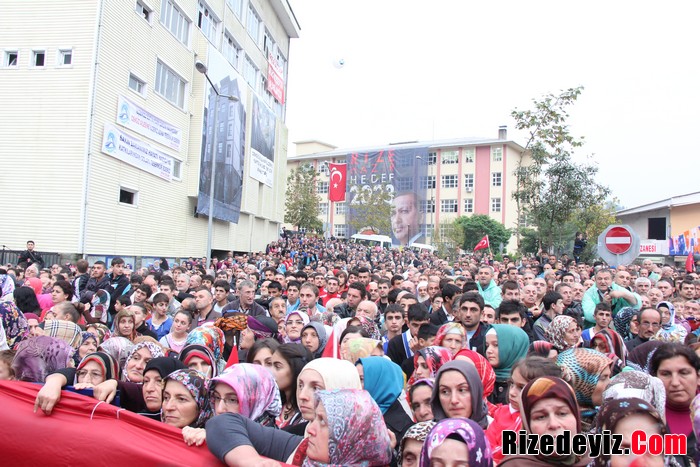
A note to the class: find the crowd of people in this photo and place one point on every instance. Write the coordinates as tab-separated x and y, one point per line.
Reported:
323	352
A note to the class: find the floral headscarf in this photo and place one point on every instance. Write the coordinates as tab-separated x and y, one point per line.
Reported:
201	351
369	326
212	338
581	368
84	337
638	385
622	321
304	320
322	336
556	332
195	383
483	367
418	432
258	394
357	433
383	380
38	357
476	388
613	343
7	285
155	349
14	323
118	347
469	431
360	347
434	356
451	328
512	346
110	368
103	332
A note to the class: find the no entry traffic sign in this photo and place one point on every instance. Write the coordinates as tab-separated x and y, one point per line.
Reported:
618	240
618	244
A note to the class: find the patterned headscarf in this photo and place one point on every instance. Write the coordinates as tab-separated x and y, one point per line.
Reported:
360	347
262	327
7	285
110	368
84	337
14	323
258	394
469	431
330	318
155	349
235	322
540	348
38	357
476	388
639	385
103	332
383	380
304	320
211	337
613	343
581	368
118	347
451	328
418	432
640	357
357	433
67	331
195	382
556	332
483	367
201	351
546	387
322	336
512	346
369	326
434	356
622	321
614	410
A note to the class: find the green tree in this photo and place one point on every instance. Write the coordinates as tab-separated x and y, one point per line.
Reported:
476	226
529	241
372	209
551	186
591	221
448	237
302	202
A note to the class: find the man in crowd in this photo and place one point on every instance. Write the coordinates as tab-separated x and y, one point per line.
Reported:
30	257
245	302
487	286
606	291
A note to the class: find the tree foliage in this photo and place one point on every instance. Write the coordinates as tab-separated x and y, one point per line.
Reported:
591	221
552	187
448	237
302	209
372	211
476	226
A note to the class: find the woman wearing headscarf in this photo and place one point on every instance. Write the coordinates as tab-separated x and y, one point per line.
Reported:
588	372
449	399
412	443
118	348
348	429
623	321
564	333
185	399
361	347
548	397
368	325
671	329
454	440
101	331
610	343
640	357
505	345
428	361
293	324
543	349
452	336
483	367
638	385
38	357
88	344
212	338
314	338
44	299
260	327
199	357
138	358
383	379
14	323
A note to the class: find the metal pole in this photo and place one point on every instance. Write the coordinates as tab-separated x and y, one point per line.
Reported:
210	225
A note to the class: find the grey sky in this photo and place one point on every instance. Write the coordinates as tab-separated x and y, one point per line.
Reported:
442	69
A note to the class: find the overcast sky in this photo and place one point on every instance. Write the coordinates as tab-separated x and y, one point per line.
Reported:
448	69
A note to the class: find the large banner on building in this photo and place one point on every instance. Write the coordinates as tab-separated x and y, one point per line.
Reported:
137	153
226	125
137	119
262	143
387	193
683	244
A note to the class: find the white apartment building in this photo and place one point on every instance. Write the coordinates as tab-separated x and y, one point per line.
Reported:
102	124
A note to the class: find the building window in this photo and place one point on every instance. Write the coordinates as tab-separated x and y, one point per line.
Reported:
322	188
170	85
450	181
136	84
497	154
177	169
427	182
468	205
175	21
253	24
448	205
323	168
426	230
207	22
235	6
432	158
250	72
404	184
65	57
281	61
450	157
495	204
468	155
323	209
38	58
427	206
340	208
232	51
445	232
143	11
496	179
128	196
469	182
340	230
268	44
11	58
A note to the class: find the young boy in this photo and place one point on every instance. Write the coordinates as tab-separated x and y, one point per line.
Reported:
6	371
160	322
602	316
402	347
393	322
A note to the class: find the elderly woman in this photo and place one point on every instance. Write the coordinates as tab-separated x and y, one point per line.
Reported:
564	333
185	400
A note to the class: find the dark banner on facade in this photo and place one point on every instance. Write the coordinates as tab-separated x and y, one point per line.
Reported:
386	191
262	143
229	123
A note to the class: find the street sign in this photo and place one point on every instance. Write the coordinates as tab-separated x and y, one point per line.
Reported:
618	245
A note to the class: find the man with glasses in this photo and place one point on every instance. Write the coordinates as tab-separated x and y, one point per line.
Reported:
649	320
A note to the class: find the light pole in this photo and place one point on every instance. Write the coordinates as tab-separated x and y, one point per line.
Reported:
202	68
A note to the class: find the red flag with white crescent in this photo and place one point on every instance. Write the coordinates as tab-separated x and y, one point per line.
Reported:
338	174
483	243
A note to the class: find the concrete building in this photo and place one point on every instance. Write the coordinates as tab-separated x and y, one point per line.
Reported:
668	228
72	71
464	176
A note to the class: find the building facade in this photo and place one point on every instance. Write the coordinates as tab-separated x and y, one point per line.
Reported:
104	123
464	176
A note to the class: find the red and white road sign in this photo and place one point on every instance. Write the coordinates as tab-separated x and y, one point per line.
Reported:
618	240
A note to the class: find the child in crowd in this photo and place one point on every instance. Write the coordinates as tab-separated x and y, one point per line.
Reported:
6	371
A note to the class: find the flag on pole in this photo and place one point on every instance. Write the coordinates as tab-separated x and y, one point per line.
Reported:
338	174
483	243
690	262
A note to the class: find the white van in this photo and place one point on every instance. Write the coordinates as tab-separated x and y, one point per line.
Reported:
421	247
383	241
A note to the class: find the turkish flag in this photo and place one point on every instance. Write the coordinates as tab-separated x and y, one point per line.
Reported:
690	263
338	174
483	243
